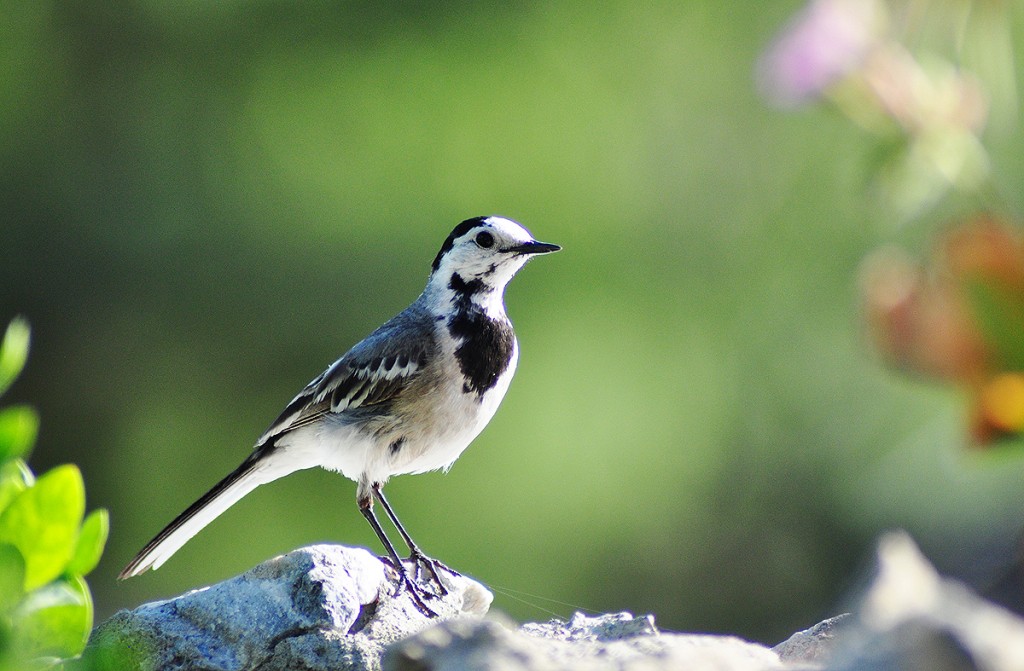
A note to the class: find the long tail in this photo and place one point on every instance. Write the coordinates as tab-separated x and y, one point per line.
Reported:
252	473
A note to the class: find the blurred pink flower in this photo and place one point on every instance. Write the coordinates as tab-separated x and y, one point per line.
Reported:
827	40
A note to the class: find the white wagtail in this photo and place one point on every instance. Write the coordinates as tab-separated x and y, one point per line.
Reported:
407	399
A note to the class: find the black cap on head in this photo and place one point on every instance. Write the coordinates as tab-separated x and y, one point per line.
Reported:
457	232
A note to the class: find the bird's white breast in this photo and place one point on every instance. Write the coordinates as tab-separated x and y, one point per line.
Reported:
463	417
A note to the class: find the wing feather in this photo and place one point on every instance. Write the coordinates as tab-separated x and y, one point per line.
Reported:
375	371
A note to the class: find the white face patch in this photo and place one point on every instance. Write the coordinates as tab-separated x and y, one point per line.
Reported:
483	253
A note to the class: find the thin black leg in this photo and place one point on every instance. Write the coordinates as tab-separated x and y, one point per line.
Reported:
415	553
378	491
366	508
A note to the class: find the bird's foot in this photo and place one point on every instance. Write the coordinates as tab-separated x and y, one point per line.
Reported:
418	595
416	591
420	560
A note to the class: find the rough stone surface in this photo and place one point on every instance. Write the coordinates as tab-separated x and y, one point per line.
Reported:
610	627
333	607
321	607
911	618
613	642
812	645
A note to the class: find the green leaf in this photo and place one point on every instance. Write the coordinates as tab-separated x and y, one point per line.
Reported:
13	351
15	477
12	578
19	425
54	620
91	541
43	522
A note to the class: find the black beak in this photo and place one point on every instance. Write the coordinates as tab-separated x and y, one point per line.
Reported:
532	247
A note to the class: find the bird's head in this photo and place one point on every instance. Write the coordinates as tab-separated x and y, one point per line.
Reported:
485	253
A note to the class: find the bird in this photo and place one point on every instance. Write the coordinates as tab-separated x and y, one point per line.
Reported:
407	399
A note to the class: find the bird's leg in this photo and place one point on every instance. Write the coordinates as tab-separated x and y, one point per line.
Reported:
415	554
366	508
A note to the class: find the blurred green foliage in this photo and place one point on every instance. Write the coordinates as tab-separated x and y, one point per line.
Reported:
203	204
46	549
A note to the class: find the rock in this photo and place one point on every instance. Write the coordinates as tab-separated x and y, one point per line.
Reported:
320	607
333	607
610	627
911	618
812	645
613	642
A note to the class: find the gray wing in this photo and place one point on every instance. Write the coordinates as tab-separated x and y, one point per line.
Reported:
375	371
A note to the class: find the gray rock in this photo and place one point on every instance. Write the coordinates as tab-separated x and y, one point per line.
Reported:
613	642
321	607
911	618
333	607
610	627
813	645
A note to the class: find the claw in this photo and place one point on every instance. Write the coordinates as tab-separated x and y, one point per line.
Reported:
415	590
417	598
433	566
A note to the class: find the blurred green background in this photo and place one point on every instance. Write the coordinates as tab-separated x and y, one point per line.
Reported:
203	204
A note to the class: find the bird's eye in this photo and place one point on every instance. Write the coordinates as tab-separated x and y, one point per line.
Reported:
485	239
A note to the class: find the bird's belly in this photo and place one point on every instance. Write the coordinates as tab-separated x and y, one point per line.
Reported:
332	445
428	436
